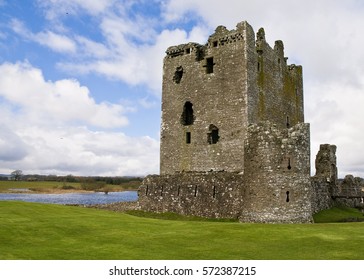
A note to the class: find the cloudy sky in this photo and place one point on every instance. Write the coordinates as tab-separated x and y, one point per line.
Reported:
80	80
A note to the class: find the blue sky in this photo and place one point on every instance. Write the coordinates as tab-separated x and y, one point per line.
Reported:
80	80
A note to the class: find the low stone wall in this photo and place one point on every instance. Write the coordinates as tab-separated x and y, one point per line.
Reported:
210	194
321	194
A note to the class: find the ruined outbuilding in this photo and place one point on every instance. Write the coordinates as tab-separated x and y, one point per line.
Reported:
234	143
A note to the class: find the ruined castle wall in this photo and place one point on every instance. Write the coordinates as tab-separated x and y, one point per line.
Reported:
321	194
324	183
350	192
277	174
213	81
275	89
211	194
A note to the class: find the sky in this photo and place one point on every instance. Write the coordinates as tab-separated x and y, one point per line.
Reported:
80	80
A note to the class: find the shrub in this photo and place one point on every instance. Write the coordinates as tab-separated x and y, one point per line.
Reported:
90	184
67	187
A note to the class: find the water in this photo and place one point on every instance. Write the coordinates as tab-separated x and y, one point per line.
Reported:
73	198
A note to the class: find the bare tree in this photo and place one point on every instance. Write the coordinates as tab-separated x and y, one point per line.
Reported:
17	174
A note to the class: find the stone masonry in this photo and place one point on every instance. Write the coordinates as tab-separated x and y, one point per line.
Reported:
233	139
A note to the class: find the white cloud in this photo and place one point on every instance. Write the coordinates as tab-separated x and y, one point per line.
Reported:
57	42
61	101
131	63
77	150
91	48
46	129
12	147
335	112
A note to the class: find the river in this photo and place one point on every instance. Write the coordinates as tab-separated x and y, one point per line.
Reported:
73	198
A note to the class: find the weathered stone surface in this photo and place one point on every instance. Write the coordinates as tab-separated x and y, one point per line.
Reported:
206	194
232	81
350	192
277	174
326	163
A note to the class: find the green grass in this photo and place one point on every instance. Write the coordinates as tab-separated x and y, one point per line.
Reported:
49	185
42	231
175	216
339	215
6	185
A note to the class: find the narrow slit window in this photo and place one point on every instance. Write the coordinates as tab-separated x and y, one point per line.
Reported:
210	65
178	190
214	192
146	190
195	191
188	137
287	196
287	122
289	166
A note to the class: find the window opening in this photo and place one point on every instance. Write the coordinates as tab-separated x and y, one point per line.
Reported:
187	117
177	77
287	196
213	135
258	66
214	192
178	190
188	137
214	44
146	190
289	167
287	122
188	50
195	191
209	65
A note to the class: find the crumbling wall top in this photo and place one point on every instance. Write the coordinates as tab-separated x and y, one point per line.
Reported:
326	163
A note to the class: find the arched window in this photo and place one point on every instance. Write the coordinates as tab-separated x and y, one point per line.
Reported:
187	117
213	135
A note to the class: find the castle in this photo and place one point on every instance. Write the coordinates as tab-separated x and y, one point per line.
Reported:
234	143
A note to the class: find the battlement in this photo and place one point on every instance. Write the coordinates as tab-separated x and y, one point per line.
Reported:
223	37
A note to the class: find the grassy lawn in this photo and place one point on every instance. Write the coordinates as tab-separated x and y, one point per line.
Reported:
41	231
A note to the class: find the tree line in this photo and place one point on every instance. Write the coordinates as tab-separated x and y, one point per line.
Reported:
18	175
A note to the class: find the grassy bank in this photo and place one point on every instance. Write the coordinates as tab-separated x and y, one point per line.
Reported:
59	187
40	231
339	215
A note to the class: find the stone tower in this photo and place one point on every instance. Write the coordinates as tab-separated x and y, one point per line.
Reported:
233	138
213	92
